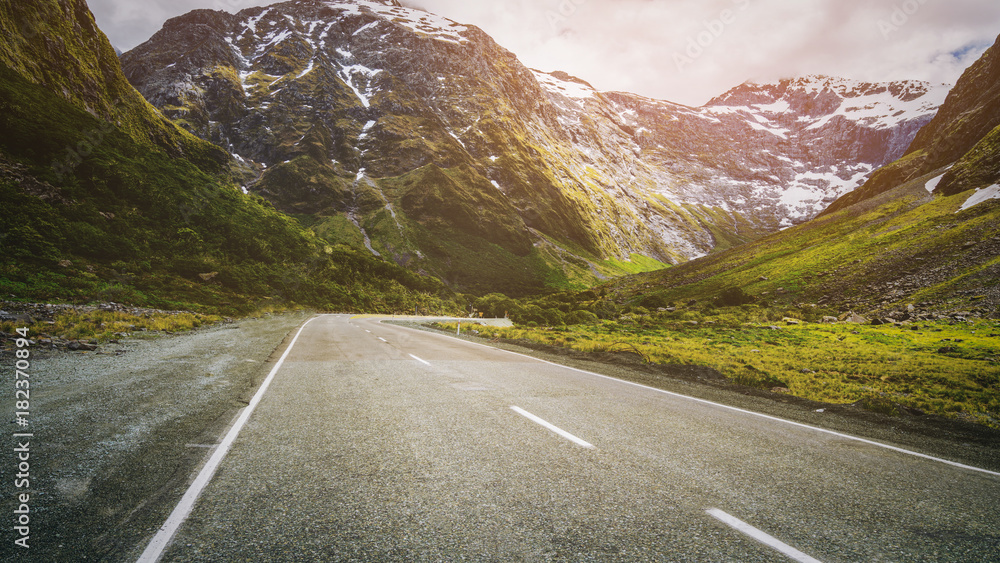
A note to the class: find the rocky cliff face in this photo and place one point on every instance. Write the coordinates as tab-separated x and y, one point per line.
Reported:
423	140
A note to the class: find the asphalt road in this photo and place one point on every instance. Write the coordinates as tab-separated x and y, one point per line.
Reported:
375	442
115	434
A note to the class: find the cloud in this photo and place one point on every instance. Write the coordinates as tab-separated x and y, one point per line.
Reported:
129	23
689	51
686	51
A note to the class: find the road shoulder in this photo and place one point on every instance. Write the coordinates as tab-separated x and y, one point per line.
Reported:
119	436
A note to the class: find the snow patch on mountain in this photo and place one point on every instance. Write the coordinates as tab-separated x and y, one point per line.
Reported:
308	69
251	23
576	89
423	23
981	196
932	184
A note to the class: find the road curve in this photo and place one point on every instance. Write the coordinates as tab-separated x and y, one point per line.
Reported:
375	442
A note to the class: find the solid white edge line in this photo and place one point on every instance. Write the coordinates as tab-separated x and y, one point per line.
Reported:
760	536
180	513
551	427
425	362
735	409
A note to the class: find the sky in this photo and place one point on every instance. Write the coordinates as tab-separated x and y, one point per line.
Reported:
684	51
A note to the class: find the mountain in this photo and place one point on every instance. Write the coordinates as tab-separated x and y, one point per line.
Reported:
420	139
780	151
920	240
961	138
105	198
58	46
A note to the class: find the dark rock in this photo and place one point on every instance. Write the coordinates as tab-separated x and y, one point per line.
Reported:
78	346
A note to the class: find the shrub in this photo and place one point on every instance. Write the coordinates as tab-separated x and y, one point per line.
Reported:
554	317
495	305
581	317
734	297
607	310
654	301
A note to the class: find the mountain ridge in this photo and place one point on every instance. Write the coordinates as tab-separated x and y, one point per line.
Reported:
605	173
106	199
906	251
952	134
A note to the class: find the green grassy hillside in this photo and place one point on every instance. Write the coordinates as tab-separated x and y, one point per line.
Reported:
128	222
58	46
905	247
105	199
888	301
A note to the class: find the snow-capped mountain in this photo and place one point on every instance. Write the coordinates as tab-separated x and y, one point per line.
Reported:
962	142
778	151
399	129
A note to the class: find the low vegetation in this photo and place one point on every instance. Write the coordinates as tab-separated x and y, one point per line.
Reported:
107	325
943	367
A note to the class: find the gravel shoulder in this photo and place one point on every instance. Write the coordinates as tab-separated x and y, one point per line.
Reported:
118	436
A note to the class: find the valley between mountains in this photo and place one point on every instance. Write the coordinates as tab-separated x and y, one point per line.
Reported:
365	156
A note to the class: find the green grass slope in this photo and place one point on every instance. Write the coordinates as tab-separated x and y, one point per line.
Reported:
58	46
781	314
127	222
904	247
